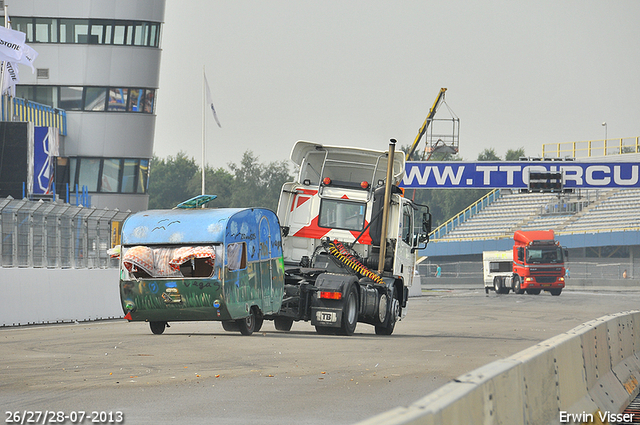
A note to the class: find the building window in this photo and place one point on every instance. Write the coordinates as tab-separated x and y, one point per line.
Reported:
136	100
143	176
24	25
46	95
88	31
94	99
148	100
118	99
88	172
46	30
74	31
129	176
70	98
109	175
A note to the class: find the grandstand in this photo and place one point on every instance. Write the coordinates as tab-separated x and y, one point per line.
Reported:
597	225
588	211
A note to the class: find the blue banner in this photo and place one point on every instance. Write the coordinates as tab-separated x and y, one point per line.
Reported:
515	175
42	162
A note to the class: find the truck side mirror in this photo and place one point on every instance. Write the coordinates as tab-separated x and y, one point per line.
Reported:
566	254
420	239
521	255
426	223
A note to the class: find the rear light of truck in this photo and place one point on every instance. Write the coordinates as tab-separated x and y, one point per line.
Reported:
326	181
331	295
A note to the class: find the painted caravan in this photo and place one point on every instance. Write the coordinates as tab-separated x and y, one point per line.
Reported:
202	264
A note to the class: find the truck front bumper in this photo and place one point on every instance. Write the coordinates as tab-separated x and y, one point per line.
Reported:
531	283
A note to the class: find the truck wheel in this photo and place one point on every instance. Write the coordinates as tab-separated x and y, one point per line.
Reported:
533	291
157	327
555	292
516	285
497	285
392	316
248	324
349	312
283	323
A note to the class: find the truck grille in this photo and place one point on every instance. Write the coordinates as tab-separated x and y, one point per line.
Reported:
546	279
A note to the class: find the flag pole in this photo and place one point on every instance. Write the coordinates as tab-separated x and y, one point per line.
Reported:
204	102
4	72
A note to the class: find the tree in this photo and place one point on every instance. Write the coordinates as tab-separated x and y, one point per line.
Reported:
169	180
488	154
514	155
217	182
249	184
258	185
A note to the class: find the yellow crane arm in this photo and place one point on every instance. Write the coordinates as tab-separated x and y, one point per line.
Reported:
427	121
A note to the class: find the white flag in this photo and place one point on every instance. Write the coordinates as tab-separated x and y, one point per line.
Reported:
11	44
10	78
210	102
28	56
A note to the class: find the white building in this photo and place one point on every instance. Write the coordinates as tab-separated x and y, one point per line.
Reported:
100	61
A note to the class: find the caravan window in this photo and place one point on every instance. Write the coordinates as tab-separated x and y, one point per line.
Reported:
169	262
237	256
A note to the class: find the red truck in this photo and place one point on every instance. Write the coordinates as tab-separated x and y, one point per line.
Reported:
537	264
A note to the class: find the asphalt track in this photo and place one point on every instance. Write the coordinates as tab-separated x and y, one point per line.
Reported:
196	373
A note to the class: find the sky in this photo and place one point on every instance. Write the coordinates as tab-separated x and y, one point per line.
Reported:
360	72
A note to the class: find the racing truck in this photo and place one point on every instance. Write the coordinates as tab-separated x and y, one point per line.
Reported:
349	238
535	263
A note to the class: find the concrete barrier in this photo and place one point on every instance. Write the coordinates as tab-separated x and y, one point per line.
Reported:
32	296
581	376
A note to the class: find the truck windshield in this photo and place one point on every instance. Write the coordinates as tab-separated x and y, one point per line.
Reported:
341	214
544	255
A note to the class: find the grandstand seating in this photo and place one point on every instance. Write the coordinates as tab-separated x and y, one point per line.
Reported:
587	212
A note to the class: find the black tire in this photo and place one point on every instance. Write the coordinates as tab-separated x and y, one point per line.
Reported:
230	326
349	312
533	291
283	323
248	324
497	285
555	292
516	285
393	312
157	328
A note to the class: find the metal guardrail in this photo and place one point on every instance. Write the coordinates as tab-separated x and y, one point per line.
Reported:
577	270
591	148
464	215
55	234
18	109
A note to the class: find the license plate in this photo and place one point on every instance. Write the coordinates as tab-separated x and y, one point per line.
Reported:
323	316
546	284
